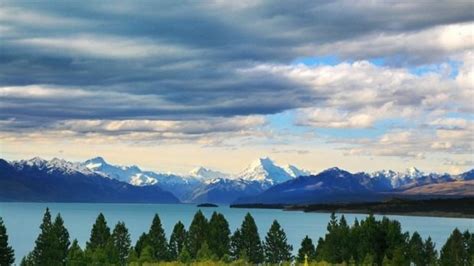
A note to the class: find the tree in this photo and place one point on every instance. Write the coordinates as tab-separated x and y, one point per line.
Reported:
61	239
43	252
177	240
219	235
141	243
469	244
184	256
100	234
7	255
430	255
132	257
75	255
121	242
157	240
236	244
197	233
307	249
27	260
147	255
276	246
204	253
415	249
250	240
454	251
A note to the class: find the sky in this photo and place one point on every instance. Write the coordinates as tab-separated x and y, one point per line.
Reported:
168	86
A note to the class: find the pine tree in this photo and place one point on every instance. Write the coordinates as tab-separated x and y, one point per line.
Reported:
204	253
100	234
142	242
43	253
250	240
430	255
415	249
197	234
61	239
28	260
157	240
147	255
132	257
7	255
177	240
121	242
184	257
236	245
469	244
276	247
307	249
75	255
219	235
454	251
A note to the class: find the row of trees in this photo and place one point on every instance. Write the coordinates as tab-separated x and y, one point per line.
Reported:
368	242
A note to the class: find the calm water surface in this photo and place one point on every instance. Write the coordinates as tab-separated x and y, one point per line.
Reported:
23	220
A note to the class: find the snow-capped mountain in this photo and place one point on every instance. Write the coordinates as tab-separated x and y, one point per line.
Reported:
58	180
265	170
54	165
206	173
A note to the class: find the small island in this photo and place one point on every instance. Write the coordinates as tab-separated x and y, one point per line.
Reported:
207	205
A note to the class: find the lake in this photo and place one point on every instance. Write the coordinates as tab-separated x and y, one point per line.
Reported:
23	219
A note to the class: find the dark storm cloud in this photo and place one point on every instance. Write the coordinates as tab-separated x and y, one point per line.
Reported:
178	61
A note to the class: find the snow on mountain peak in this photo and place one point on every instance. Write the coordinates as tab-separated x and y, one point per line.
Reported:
206	173
264	169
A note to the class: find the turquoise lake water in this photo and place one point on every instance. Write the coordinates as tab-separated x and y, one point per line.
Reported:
23	220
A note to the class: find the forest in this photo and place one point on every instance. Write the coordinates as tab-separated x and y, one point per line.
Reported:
369	241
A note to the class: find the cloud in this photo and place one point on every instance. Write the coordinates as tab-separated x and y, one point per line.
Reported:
199	70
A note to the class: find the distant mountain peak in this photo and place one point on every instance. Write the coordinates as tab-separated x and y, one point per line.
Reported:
206	173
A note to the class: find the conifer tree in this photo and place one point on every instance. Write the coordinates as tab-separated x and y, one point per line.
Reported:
147	255
43	253
415	249
205	253
157	240
307	249
197	234
27	260
277	249
100	234
7	256
121	242
142	242
132	257
184	257
469	243
236	245
219	235
61	239
454	251
430	255
75	255
177	240
250	240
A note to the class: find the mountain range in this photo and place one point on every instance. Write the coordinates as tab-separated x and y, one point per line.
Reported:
263	181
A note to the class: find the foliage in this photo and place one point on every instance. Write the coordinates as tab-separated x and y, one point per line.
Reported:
121	242
307	249
100	234
157	240
219	235
75	255
177	241
250	240
52	243
197	233
276	248
7	255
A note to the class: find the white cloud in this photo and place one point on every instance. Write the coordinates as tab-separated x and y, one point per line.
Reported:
106	46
